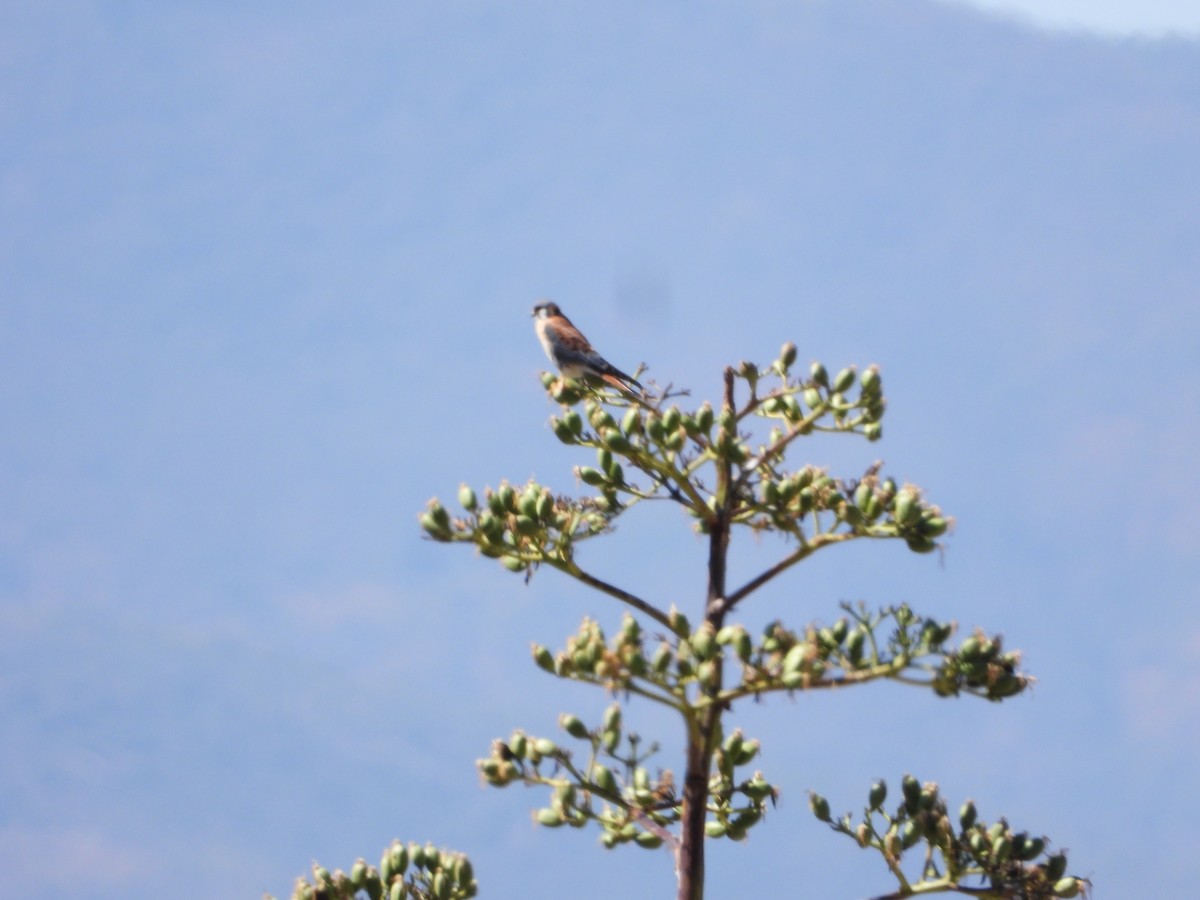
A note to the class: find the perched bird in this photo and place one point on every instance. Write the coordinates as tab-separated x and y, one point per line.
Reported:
570	351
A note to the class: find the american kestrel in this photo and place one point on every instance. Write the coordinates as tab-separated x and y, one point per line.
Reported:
570	351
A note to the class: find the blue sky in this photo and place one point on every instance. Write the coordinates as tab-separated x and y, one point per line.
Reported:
1114	18
265	278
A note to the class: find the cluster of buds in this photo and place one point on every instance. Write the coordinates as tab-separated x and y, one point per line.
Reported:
641	428
613	789
617	791
875	507
968	847
800	404
589	657
736	804
520	526
892	642
785	499
848	650
665	670
871	507
981	666
405	872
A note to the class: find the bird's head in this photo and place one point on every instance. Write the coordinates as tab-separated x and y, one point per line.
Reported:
545	310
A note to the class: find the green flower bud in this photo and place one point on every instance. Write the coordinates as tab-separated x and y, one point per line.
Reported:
612	717
603	778
819	806
743	822
855	643
616	441
589	475
1026	848
797	657
1067	887
573	726
671	419
704	417
813	398
934	526
416	853
679	623
863	494
703	642
871	382
967	814
545	747
433	528
648	840
433	857
971	648
909	834
928	797
757	788
891	844
791	408
918	543
654	430
398	854
873	431
748	752
912	792
398	891
727	420
549	817
769	492
878	794
464	872
632	422
906	507
743	646
662	658
843	380
358	874
563	431
373	884
733	744
787	355
574	422
518	744
1001	848
714	829
506	495
819	376
1056	866
466	497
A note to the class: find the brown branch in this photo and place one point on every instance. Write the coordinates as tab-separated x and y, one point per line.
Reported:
786	563
570	568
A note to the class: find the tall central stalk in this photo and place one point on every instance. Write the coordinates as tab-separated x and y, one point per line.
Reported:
703	734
